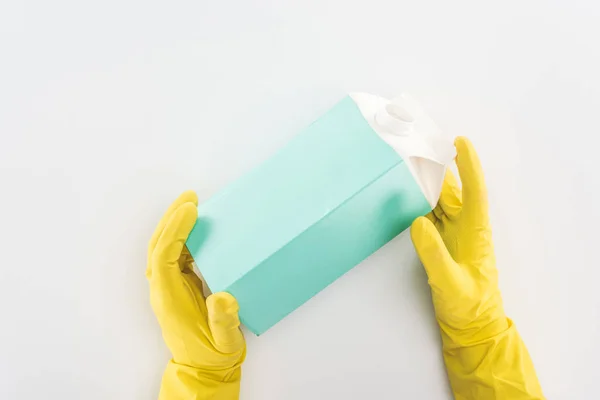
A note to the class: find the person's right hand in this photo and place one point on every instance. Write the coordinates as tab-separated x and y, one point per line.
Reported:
454	242
484	354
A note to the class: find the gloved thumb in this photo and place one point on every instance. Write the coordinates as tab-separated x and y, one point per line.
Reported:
438	263
224	322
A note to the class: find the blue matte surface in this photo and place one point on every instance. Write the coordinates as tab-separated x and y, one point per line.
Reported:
280	234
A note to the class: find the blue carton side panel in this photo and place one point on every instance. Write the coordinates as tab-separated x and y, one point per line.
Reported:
329	248
261	212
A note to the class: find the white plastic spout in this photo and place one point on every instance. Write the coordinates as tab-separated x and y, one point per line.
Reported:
395	119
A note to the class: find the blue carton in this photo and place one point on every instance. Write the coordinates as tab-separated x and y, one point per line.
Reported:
327	200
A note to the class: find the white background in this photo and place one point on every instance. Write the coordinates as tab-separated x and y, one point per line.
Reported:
108	110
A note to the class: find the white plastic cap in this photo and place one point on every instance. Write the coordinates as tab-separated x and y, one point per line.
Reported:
395	119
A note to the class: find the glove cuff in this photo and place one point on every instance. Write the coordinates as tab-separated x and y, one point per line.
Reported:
495	367
185	382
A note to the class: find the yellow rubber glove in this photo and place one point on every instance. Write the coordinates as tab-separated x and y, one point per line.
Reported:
204	336
484	354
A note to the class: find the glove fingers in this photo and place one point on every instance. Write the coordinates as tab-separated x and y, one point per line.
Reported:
432	251
186	197
451	196
474	193
224	322
172	239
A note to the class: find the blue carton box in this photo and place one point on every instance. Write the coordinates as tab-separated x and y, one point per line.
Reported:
327	200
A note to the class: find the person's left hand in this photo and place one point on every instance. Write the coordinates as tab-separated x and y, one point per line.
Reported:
207	345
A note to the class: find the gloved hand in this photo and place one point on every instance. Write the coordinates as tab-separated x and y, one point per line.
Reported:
484	354
204	336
